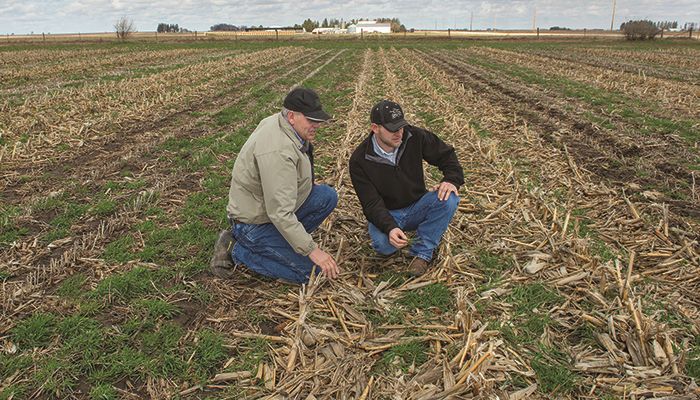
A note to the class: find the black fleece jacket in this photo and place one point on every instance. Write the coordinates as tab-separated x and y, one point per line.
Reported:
381	186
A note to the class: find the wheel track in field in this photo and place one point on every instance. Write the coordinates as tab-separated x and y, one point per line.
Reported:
656	70
592	147
663	98
35	268
630	145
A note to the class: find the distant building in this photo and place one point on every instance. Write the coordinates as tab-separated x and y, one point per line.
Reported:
321	31
370	27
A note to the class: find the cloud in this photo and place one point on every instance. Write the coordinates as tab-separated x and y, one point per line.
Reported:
99	15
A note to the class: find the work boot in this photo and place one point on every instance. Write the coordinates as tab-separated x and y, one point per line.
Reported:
221	263
417	267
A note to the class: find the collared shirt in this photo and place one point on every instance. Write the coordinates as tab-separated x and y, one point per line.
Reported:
304	148
391	157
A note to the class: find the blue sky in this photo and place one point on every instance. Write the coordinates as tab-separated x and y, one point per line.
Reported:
54	16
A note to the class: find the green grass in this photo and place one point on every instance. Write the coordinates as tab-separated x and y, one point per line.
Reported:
209	352
552	369
394	316
104	392
56	376
191	240
35	331
68	214
481	131
693	362
72	287
122	288
435	295
666	313
104	207
434	123
9	364
531	304
9	230
13	392
493	267
402	356
395	278
250	353
155	308
526	298
145	346
526	330
119	250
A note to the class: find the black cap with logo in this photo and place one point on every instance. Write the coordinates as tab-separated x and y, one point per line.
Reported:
307	102
389	115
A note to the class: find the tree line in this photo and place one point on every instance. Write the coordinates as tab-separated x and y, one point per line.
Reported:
170	28
659	25
309	25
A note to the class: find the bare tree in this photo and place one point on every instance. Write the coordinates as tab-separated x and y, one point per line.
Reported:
124	27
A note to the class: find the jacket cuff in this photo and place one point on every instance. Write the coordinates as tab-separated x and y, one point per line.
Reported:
457	185
389	228
309	248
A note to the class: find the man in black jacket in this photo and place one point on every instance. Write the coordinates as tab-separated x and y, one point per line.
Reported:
387	174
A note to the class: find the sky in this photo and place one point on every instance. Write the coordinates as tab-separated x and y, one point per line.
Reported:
72	16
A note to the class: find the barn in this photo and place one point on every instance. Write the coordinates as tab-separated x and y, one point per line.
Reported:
369	27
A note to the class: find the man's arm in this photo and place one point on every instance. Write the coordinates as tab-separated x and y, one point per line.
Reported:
440	154
279	184
372	203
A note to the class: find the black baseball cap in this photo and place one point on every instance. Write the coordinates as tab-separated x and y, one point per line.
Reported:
307	102
389	115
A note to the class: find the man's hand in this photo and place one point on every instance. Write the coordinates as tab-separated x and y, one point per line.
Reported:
397	238
326	262
444	189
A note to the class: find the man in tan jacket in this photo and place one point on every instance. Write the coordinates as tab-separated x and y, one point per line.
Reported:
274	204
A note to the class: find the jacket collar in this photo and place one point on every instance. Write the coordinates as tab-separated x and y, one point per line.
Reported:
371	155
288	130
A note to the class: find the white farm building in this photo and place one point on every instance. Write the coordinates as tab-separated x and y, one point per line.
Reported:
369	27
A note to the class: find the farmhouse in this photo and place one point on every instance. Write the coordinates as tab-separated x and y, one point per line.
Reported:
369	27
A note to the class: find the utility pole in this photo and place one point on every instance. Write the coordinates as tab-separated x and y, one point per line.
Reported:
471	20
612	22
534	19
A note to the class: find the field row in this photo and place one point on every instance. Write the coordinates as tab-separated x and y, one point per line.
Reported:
38	129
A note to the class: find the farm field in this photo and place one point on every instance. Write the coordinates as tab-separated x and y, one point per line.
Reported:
571	269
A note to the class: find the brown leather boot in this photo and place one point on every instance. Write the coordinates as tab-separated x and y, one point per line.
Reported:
221	263
417	267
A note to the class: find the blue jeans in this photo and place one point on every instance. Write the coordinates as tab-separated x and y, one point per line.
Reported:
428	216
263	249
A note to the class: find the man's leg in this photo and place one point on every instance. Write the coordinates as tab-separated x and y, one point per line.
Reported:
264	250
380	240
317	207
430	217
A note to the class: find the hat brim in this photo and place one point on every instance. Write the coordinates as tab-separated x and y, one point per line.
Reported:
318	115
395	125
